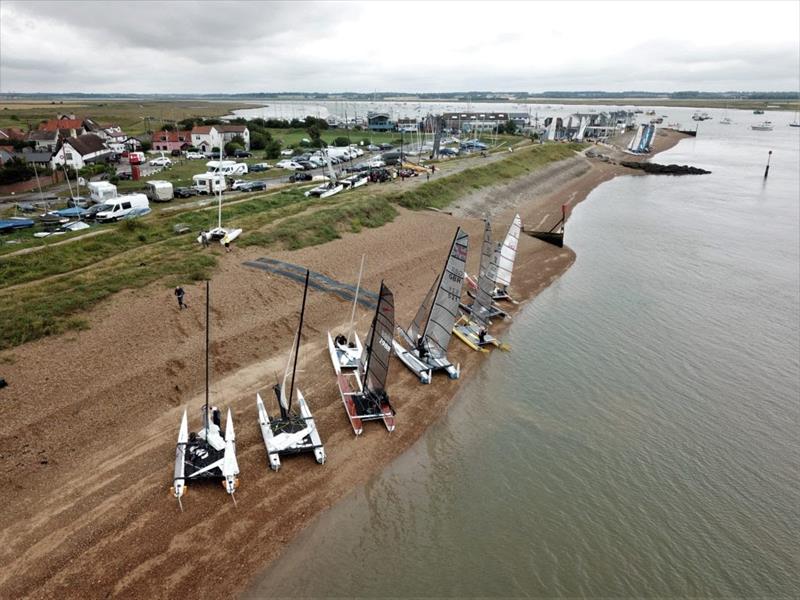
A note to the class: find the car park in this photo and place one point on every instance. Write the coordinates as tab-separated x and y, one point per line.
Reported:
162	161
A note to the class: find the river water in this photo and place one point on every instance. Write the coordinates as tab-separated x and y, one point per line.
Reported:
640	440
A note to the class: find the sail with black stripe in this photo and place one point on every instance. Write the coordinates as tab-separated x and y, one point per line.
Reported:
444	311
481	306
375	361
508	252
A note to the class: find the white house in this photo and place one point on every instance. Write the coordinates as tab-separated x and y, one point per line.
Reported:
207	137
79	151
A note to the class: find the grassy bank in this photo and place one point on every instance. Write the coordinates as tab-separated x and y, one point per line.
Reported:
62	282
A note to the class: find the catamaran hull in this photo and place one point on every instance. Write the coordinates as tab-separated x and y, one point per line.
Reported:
422	368
468	335
286	444
557	239
345	359
350	394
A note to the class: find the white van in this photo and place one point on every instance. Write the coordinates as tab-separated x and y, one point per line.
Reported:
121	206
100	191
158	190
229	168
209	183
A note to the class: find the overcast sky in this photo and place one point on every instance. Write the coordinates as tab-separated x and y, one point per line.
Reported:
228	47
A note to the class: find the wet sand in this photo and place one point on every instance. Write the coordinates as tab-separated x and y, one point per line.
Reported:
90	418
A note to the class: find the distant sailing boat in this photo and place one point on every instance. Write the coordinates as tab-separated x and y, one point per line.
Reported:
473	328
796	122
289	432
363	390
206	454
423	347
345	350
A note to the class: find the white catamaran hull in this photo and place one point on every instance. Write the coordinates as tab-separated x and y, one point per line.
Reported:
424	368
346	357
304	440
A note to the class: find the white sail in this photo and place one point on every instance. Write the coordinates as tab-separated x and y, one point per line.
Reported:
637	139
508	252
444	312
482	305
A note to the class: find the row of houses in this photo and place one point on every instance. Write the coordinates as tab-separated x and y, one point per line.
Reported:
75	142
451	121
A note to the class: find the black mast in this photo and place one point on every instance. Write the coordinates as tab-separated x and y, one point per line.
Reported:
297	348
208	296
372	338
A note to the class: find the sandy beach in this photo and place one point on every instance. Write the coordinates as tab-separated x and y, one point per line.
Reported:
90	418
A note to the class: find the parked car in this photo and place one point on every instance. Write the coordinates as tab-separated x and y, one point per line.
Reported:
78	201
287	152
91	212
254	186
307	166
212	155
124	175
300	176
239	184
242	154
195	155
259	167
448	152
290	165
385	146
121	206
373	148
161	161
185	192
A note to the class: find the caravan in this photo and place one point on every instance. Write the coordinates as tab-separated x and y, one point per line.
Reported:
159	190
101	191
209	183
229	168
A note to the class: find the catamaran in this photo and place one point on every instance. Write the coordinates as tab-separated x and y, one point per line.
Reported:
206	454
330	187
363	390
555	235
224	235
346	349
472	328
423	347
289	432
506	253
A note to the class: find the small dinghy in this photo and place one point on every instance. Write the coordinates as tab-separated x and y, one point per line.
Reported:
363	390
472	328
423	347
346	349
290	432
555	235
206	454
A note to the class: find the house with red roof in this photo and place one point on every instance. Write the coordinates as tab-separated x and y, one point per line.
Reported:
171	140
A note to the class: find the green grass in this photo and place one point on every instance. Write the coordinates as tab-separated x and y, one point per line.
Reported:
441	192
136	253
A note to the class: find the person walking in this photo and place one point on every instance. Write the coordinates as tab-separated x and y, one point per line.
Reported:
204	239
227	246
179	294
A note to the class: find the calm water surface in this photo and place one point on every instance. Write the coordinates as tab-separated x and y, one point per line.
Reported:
642	437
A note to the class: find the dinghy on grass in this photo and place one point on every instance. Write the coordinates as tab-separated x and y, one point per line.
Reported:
345	350
472	328
363	390
423	347
289	432
206	454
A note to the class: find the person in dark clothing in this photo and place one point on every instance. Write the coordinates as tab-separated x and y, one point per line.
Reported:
482	336
422	351
179	294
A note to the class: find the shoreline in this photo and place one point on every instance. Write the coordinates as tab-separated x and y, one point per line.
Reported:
98	514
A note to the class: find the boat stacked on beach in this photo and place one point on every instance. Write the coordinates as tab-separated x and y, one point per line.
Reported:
360	364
